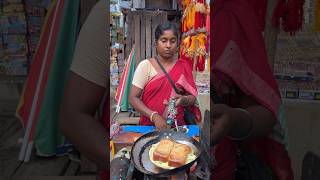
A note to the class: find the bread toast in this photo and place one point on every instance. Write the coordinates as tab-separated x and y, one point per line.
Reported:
178	155
163	150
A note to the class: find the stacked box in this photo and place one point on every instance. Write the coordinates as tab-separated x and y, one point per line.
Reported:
114	72
13	24
203	82
297	63
14	46
35	11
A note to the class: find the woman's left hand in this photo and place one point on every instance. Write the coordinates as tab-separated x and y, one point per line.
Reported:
181	100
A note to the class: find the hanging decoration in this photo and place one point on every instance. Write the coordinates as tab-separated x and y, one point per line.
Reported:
194	41
288	15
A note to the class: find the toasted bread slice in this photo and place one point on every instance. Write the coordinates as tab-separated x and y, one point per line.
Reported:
179	155
163	150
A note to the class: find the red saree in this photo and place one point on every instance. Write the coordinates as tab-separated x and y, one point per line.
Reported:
159	89
239	60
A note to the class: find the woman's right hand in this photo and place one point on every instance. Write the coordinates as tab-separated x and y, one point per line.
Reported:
222	120
160	122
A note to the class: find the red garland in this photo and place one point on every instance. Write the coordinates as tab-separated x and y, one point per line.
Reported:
288	13
200	63
291	14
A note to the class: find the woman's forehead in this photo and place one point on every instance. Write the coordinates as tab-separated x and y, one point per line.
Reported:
168	34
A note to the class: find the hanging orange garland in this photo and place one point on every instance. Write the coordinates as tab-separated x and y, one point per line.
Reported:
193	46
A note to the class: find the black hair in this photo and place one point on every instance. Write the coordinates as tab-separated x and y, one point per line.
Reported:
163	27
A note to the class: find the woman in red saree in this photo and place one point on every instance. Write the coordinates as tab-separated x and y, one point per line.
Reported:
251	110
151	88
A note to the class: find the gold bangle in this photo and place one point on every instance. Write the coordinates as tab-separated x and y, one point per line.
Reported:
249	133
152	114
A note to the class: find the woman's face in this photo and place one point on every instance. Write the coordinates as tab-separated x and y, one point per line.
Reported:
167	44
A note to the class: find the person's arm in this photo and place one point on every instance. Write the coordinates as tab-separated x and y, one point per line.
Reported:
135	101
80	103
184	100
252	121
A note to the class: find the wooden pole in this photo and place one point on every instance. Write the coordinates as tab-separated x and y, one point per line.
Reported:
271	33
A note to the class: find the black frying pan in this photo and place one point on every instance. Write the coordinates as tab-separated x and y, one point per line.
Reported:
140	152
